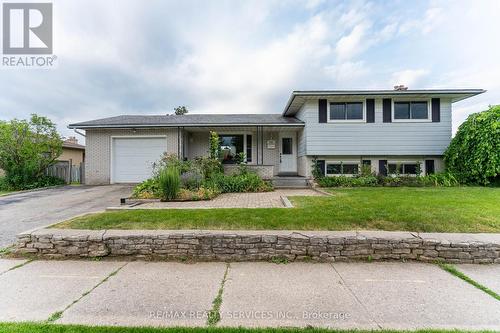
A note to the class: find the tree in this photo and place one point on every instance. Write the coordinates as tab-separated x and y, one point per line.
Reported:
27	148
180	110
474	153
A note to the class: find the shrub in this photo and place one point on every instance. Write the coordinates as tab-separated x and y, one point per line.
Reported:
343	181
169	183
148	189
473	154
249	182
203	193
191	180
208	166
440	179
171	160
317	173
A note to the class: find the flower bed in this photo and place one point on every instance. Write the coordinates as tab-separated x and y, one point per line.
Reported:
201	179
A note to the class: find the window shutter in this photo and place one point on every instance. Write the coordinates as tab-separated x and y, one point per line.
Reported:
429	167
382	167
370	110
322	110
436	110
386	110
321	166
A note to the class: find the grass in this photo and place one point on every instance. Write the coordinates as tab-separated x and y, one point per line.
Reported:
458	209
52	328
214	314
453	270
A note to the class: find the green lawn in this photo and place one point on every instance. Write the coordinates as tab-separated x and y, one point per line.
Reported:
51	328
459	209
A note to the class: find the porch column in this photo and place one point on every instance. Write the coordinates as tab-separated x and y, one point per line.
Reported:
257	145
261	145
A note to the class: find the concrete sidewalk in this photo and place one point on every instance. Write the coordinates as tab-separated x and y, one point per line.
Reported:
254	294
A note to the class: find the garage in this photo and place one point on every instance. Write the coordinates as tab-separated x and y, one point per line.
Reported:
133	158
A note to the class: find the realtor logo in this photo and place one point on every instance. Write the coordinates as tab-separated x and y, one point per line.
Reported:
27	28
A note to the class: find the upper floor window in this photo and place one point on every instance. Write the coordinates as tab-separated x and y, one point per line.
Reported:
411	110
342	111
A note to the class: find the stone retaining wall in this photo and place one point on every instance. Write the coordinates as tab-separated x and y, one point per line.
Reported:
261	245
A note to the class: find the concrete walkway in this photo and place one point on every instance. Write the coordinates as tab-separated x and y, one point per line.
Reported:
339	295
235	200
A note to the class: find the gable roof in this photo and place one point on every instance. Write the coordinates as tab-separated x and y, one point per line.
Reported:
72	145
298	97
189	120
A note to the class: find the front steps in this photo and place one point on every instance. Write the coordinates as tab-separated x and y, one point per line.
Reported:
290	182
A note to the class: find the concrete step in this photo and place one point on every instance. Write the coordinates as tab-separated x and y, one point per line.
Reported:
290	182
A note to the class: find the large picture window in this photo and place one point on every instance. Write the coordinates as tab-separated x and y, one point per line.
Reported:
231	145
411	110
346	111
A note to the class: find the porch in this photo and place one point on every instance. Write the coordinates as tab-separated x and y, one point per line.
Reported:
269	150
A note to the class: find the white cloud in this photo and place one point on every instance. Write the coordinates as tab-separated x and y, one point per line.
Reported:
351	44
118	57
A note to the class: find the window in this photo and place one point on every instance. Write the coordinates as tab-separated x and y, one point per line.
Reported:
403	168
342	168
411	110
346	111
231	146
249	148
286	146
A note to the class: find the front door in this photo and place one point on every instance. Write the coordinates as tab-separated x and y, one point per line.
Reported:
288	152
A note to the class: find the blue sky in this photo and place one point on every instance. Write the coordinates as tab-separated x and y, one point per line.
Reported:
146	57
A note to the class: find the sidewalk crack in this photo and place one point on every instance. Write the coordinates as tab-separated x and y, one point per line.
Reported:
58	314
356	297
214	313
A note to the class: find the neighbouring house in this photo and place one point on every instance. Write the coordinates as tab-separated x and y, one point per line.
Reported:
393	131
72	152
70	164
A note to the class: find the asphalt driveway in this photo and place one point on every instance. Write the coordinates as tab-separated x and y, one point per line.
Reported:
29	210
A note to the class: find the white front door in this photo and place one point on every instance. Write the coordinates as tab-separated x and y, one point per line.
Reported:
288	152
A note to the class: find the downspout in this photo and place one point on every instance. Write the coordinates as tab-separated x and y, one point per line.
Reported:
80	133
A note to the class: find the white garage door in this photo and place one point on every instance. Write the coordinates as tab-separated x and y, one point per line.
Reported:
133	158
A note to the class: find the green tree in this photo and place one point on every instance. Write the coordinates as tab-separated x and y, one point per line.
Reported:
27	148
474	153
181	110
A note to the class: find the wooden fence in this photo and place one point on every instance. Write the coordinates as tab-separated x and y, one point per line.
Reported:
69	173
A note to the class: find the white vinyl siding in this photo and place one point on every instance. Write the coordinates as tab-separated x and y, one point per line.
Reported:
378	138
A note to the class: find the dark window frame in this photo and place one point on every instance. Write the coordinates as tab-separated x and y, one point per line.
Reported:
402	166
410	110
340	166
345	117
233	159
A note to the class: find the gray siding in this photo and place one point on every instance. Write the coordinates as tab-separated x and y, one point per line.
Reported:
374	138
301	134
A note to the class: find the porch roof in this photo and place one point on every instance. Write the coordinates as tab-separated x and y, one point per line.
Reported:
190	120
